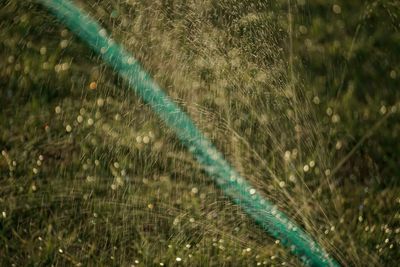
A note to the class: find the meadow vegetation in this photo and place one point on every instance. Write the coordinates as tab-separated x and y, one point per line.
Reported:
302	98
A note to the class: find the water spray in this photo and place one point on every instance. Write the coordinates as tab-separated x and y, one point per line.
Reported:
262	211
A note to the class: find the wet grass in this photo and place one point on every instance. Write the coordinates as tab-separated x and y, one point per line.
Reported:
89	176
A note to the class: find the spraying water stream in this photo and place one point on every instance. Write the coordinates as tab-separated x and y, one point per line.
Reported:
262	211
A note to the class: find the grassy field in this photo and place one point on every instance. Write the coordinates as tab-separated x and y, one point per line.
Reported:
302	97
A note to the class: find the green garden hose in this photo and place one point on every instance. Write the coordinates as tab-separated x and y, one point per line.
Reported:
263	212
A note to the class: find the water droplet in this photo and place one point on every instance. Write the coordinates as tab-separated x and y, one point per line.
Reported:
65	66
329	111
103	32
93	85
393	74
306	168
64	33
130	60
195	190
338	145
11	59
287	155
303	30
43	50
146	139
68	128
100	102
64	43
336	9
335	118
383	110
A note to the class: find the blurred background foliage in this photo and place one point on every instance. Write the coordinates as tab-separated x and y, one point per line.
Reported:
350	58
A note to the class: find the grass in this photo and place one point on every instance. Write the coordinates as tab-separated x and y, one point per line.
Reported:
89	176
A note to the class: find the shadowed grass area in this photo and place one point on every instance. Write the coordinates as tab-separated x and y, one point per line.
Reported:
89	176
